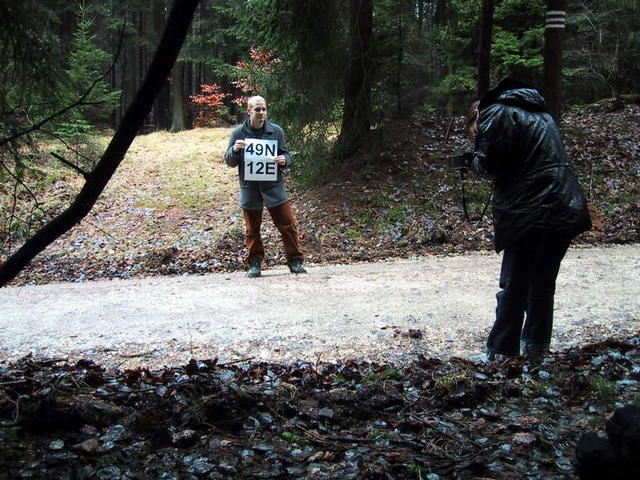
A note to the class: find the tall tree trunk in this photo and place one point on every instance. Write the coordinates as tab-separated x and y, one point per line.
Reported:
116	114
162	105
356	118
552	68
189	88
484	58
420	15
143	53
177	100
400	59
142	33
124	96
165	56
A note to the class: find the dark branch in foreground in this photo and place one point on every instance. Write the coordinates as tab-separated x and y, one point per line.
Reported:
164	58
71	165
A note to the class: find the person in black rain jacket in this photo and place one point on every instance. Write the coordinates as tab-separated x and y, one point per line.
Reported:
538	208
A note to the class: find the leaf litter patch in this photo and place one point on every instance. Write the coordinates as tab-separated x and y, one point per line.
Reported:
428	419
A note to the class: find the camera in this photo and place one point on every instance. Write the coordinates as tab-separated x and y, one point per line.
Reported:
460	160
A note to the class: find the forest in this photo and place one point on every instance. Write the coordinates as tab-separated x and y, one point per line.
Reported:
113	119
336	74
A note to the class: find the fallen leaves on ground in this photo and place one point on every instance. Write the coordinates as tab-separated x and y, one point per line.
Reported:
429	419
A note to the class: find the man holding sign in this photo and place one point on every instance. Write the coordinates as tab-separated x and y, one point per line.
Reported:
258	149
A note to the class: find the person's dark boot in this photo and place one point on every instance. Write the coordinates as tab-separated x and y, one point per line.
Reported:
497	358
295	265
254	269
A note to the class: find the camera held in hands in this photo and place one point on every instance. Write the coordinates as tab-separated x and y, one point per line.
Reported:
460	160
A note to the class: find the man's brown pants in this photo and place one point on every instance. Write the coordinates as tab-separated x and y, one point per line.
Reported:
285	222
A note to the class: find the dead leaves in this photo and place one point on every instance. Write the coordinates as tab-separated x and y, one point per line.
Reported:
429	418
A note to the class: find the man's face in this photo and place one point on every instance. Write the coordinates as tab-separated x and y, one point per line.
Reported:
257	113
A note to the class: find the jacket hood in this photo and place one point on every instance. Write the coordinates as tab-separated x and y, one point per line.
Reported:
516	93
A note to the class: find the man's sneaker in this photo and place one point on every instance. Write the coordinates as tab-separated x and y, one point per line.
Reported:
254	270
295	266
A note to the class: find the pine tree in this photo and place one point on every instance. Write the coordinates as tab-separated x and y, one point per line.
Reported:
87	67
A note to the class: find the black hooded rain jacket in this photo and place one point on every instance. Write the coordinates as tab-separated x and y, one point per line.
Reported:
518	145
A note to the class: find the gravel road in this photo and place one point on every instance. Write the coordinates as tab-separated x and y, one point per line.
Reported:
388	311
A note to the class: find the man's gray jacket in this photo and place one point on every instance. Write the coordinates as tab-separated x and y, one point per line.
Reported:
254	194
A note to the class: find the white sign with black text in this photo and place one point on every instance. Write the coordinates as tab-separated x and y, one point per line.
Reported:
259	160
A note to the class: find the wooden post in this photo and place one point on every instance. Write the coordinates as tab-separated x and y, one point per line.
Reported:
552	68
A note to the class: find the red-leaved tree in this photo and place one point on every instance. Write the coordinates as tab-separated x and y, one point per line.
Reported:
210	105
251	74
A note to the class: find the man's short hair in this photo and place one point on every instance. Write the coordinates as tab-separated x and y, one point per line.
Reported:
252	100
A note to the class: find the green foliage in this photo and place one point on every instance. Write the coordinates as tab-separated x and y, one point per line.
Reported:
516	49
313	155
31	53
293	438
453	43
75	129
36	86
511	52
518	39
451	382
389	373
30	84
604	391
87	65
401	56
417	469
304	88
519	15
353	233
457	87
602	49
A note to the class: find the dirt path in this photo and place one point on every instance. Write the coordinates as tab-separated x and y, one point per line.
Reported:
438	306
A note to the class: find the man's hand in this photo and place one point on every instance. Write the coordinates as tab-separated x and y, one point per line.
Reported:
280	160
239	145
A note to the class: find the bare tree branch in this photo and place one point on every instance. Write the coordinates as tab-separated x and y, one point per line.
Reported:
18	181
41	123
67	146
166	54
70	165
79	102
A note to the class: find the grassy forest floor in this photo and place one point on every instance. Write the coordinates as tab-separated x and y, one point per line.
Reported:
171	209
